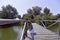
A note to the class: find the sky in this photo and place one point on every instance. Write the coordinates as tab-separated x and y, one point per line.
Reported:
23	5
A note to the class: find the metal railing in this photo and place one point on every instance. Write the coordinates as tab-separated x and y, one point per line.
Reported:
23	31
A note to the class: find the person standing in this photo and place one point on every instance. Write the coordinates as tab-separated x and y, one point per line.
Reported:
31	30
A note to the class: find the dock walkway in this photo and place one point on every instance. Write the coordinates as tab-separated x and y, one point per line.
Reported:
43	33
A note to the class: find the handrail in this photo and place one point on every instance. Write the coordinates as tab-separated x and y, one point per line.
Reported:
43	24
51	24
25	20
23	31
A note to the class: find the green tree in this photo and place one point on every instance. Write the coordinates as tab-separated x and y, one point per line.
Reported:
58	16
30	11
37	10
26	16
19	16
46	10
9	12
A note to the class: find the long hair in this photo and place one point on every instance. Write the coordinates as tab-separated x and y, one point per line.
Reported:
30	26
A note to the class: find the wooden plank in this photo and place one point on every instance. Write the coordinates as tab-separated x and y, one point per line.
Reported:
43	33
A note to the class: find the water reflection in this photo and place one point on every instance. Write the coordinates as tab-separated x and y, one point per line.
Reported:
11	33
18	30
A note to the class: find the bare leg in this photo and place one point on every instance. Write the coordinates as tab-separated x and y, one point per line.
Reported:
32	37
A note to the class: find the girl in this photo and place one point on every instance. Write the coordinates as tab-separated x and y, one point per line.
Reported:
31	30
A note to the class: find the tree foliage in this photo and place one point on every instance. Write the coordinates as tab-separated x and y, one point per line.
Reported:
46	10
30	11
8	12
37	10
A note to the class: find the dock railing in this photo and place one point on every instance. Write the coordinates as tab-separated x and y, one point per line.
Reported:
23	31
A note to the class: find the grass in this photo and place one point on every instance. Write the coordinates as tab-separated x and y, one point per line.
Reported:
54	27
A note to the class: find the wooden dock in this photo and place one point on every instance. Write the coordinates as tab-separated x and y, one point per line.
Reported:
43	33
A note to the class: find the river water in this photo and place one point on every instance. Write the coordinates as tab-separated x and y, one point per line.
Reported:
11	33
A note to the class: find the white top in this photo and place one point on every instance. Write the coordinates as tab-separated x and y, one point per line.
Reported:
30	31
